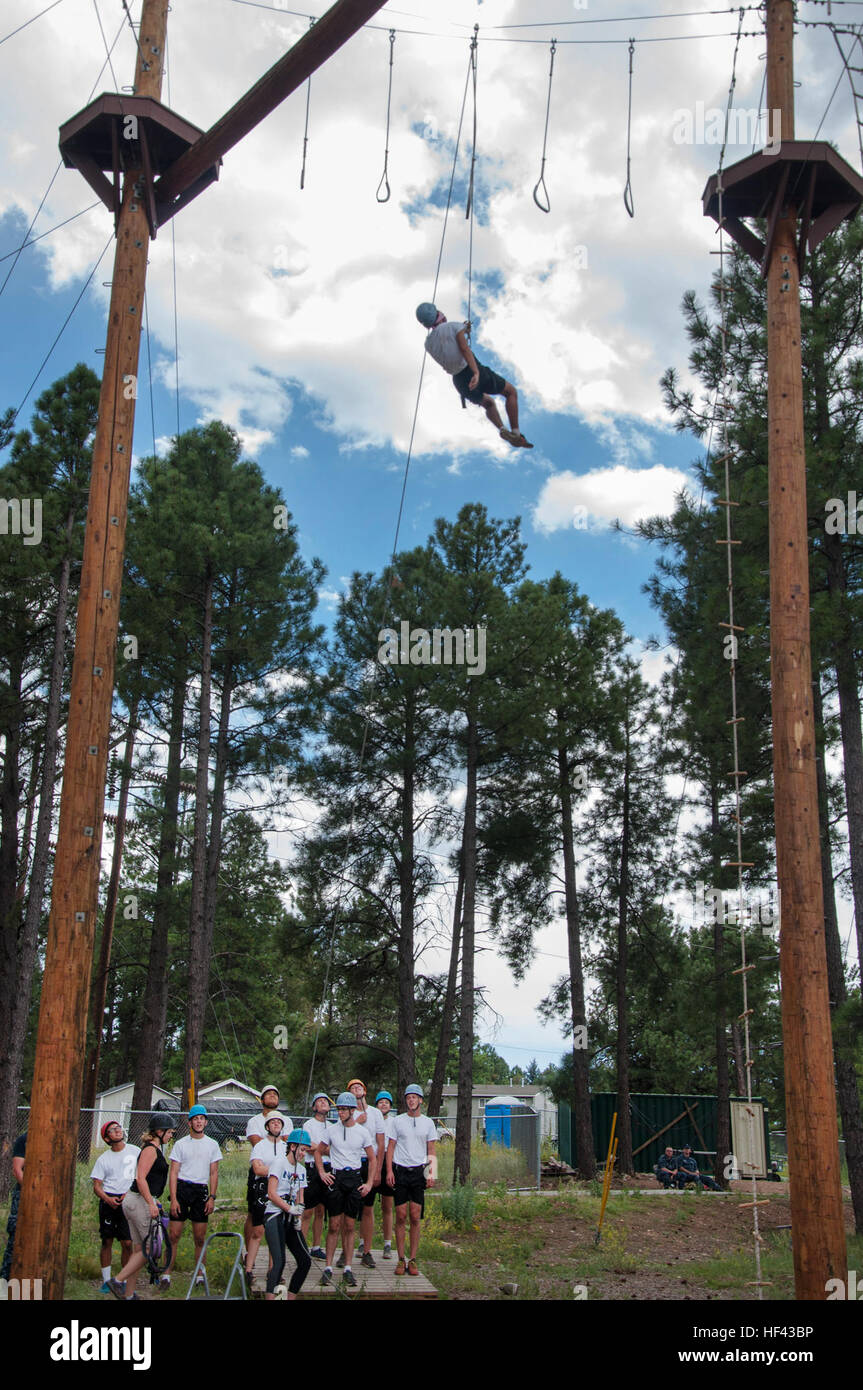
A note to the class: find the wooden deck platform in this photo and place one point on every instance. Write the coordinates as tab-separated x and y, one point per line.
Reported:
382	1282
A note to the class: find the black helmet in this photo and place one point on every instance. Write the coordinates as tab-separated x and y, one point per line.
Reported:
161	1119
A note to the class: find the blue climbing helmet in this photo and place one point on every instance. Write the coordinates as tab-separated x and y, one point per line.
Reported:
197	1110
299	1136
426	314
346	1101
414	1091
383	1095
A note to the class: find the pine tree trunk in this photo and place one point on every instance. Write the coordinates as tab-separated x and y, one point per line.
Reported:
18	1017
406	1044
10	917
155	1003
435	1101
585	1161
100	981
625	1161
199	965
214	848
723	1080
848	1092
467	1009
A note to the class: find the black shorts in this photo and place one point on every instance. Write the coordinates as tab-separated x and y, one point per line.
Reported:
489	384
343	1197
112	1223
369	1199
410	1185
383	1189
256	1197
191	1199
317	1193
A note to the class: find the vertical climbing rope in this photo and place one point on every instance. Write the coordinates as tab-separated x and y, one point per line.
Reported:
725	408
627	192
469	210
540	183
385	183
306	129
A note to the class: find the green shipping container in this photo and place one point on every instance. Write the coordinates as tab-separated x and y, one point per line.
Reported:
657	1120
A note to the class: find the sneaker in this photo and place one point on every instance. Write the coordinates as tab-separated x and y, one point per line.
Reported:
367	1261
348	1278
340	1262
199	1280
115	1287
326	1278
317	1252
400	1267
510	436
412	1267
388	1251
521	443
164	1281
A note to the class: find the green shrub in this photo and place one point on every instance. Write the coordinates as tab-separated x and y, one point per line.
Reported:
459	1206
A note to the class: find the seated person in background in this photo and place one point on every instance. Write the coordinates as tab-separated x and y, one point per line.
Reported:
687	1171
666	1168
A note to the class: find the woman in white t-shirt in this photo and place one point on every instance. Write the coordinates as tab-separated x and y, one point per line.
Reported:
285	1192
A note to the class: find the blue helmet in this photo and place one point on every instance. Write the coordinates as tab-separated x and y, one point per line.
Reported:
383	1095
299	1136
414	1091
197	1110
346	1101
426	314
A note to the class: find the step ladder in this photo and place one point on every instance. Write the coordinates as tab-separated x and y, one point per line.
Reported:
236	1269
850	44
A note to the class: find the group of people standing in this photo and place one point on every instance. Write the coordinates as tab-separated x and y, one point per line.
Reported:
336	1169
331	1170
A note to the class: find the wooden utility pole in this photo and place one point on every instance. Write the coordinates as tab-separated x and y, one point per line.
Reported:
817	1229
93	142
42	1241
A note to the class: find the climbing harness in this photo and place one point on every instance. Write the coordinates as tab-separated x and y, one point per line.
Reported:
540	184
627	192
306	131
385	183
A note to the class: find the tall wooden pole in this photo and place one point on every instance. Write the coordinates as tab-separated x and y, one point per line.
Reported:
42	1241
817	1230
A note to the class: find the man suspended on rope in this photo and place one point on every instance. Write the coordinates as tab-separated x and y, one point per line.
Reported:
447	343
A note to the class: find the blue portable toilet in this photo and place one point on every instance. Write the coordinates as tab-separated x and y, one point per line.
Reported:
498	1119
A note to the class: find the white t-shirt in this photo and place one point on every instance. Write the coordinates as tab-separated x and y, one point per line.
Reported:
442	346
374	1123
116	1170
194	1157
412	1137
347	1145
257	1124
317	1132
389	1128
291	1181
268	1152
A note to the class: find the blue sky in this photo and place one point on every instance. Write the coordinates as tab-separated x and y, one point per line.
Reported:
296	310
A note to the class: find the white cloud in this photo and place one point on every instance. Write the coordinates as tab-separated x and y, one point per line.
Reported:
299	451
605	495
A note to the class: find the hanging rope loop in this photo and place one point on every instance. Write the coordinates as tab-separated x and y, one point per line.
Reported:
306	131
627	192
540	191
385	183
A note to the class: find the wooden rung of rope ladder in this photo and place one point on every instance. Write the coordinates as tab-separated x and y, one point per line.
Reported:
733	627
742	969
729	542
738	774
738	864
723	501
759	1284
741	719
747	1013
764	1202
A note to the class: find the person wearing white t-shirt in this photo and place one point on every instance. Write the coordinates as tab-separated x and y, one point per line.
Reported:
113	1174
193	1182
371	1119
384	1103
286	1186
410	1150
448	344
316	1191
256	1186
346	1143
